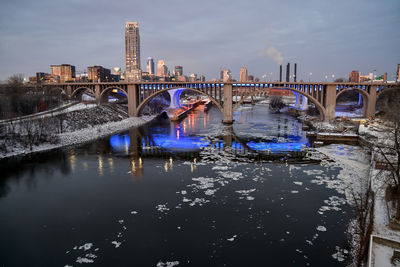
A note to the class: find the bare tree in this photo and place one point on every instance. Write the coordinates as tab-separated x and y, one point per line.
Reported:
340	80
388	148
16	80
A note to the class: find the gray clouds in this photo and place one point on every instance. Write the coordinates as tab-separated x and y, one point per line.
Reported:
323	37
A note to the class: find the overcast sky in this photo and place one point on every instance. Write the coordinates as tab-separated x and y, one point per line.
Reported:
322	37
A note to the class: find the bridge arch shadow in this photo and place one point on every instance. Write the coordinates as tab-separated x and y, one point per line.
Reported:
365	97
112	89
80	91
149	98
320	108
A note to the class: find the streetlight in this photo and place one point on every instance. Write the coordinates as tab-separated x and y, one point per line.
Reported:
333	77
326	78
309	77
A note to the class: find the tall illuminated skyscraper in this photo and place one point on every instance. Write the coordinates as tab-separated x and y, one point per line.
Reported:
132	52
150	65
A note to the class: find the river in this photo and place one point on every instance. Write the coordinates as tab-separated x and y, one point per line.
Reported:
195	193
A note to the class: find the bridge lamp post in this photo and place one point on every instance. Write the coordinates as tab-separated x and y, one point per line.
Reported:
326	78
309	77
270	76
333	77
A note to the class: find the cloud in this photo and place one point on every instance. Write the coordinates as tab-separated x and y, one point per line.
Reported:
273	53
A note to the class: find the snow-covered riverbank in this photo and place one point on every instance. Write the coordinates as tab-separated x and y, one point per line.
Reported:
77	135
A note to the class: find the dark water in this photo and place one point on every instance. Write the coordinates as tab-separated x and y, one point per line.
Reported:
195	193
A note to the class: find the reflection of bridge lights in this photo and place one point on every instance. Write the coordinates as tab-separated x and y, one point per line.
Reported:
111	164
114	90
177	134
72	159
100	161
166	166
85	165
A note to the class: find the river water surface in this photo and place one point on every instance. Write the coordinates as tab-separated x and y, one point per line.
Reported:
189	194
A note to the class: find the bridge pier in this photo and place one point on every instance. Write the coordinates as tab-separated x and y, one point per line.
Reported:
227	112
330	100
97	94
371	102
133	100
175	96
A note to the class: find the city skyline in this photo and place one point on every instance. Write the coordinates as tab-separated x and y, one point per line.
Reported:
323	40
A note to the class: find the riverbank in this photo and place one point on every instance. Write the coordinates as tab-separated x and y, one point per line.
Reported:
72	127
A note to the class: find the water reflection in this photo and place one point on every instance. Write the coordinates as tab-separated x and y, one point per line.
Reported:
190	136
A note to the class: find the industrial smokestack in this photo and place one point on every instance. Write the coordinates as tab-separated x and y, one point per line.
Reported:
287	72
280	72
295	72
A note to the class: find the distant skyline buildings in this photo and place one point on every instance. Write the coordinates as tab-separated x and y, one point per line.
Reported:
225	75
66	72
178	71
150	66
162	70
243	74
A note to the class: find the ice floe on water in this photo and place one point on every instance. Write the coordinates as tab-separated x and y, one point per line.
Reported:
321	228
298	183
116	244
333	203
162	208
245	194
340	254
85	247
167	264
294	192
313	172
220	168
232	238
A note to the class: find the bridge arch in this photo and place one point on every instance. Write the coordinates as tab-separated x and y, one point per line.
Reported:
81	90
364	94
147	100
320	108
106	90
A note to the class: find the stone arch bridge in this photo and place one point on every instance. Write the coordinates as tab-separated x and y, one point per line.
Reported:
322	94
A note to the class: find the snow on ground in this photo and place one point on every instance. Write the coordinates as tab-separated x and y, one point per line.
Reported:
81	136
381	255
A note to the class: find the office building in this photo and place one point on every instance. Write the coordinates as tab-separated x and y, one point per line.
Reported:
99	74
150	66
226	75
162	70
178	71
132	52
243	75
66	72
398	73
354	76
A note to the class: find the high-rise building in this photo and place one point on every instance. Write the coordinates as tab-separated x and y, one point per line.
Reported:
250	78
150	66
193	77
178	71
202	78
99	74
132	52
398	73
243	75
162	70
66	72
354	76
226	75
